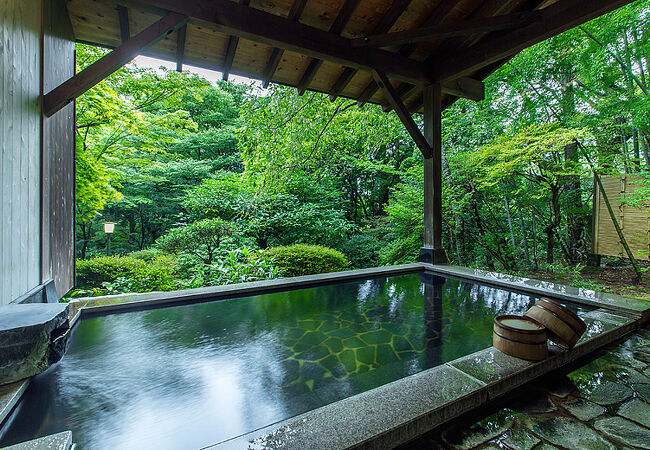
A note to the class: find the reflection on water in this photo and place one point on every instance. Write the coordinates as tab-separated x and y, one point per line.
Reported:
189	376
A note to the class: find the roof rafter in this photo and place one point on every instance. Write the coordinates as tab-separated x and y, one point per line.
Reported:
231	49
123	16
180	47
72	88
387	21
295	12
342	19
270	29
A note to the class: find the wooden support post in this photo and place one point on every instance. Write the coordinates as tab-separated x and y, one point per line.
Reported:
432	251
66	92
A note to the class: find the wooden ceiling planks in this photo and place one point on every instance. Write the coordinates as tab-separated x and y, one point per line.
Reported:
105	23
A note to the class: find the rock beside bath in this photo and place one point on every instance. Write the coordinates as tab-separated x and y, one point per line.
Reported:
32	337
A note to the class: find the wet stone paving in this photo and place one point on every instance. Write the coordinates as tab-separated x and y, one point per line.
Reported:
604	404
343	344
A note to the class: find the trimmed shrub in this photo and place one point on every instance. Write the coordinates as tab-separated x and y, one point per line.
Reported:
144	277
148	254
301	259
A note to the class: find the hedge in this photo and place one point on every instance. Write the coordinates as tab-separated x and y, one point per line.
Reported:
301	259
93	272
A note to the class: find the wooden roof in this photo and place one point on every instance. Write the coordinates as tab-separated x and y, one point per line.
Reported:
327	45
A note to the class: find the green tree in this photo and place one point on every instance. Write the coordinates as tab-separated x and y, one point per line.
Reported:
200	239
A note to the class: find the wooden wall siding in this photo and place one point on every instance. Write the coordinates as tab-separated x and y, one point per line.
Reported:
58	153
635	222
20	219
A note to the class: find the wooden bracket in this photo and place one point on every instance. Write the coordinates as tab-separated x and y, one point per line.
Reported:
72	88
402	112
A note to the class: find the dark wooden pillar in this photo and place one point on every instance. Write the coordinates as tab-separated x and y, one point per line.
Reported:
432	251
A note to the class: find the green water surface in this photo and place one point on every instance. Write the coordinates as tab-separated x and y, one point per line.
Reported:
193	375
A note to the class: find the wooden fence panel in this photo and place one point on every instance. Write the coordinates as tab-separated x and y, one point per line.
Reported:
635	222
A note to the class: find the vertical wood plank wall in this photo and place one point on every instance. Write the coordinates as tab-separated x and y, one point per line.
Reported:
20	147
36	154
58	152
635	222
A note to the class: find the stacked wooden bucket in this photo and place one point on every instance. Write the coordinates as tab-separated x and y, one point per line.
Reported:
525	336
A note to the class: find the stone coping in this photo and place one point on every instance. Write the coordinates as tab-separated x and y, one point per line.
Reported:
58	441
13	316
9	396
633	307
151	300
132	302
398	412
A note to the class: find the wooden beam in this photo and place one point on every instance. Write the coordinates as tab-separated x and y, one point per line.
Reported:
342	19
180	47
462	28
123	16
65	93
295	12
259	26
556	18
387	21
436	16
402	112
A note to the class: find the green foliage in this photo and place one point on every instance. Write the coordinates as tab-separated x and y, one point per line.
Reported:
300	215
138	274
300	259
364	250
236	266
200	239
210	170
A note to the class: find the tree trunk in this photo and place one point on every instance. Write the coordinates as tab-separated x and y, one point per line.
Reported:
645	144
512	233
524	236
457	237
572	190
554	206
533	224
636	149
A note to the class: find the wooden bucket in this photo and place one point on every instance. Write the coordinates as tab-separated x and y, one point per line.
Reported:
563	325
520	336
